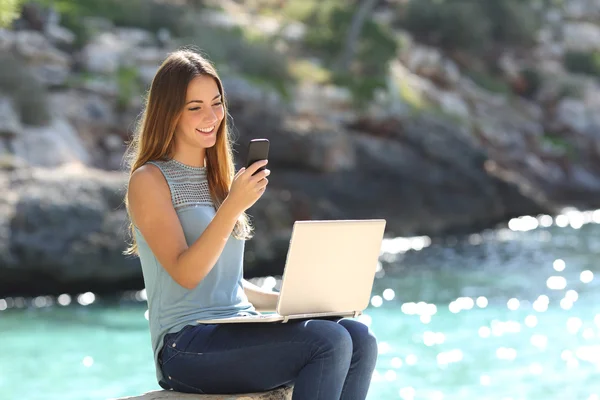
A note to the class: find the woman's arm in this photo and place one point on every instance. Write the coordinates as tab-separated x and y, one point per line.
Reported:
152	212
263	300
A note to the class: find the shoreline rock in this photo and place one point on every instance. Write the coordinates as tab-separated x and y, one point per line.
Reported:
435	154
278	394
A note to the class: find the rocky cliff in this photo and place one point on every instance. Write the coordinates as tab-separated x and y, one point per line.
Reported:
434	154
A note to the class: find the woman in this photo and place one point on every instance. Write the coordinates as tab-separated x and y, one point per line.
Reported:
187	210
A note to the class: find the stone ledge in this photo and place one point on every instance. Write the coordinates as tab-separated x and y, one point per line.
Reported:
277	394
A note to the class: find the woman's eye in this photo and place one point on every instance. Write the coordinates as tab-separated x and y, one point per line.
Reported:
197	108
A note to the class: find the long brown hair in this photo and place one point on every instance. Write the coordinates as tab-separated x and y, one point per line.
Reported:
153	137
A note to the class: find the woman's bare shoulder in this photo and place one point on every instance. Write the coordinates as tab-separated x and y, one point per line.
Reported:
147	177
143	181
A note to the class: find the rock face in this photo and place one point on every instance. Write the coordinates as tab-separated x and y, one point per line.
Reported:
70	216
50	146
434	154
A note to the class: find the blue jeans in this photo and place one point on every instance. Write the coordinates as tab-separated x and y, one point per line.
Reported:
323	359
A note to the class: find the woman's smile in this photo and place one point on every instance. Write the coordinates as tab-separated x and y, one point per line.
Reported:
206	131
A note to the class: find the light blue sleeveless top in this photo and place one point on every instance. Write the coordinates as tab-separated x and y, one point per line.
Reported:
220	294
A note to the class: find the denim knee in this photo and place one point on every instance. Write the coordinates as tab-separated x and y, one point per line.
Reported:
332	340
363	340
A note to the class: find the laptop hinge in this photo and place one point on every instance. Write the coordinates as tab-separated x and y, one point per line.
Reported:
357	313
285	319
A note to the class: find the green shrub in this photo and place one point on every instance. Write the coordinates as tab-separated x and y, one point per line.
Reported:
128	82
471	25
583	62
26	92
304	70
145	14
362	89
300	10
328	23
513	22
448	24
560	144
255	58
9	11
533	82
489	82
571	88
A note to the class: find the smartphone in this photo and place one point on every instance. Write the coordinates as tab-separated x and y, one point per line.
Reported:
258	149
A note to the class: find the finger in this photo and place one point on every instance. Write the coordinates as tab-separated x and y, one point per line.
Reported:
261	175
256	165
263	183
241	171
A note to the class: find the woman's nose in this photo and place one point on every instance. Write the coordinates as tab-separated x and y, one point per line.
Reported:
211	117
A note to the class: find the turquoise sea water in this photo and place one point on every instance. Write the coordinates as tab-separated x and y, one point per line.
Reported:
499	315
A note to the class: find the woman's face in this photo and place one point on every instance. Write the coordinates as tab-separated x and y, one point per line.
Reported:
202	114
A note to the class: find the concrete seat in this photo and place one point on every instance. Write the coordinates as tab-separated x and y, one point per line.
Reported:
277	394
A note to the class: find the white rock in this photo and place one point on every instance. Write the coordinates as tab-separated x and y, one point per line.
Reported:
7	39
509	65
581	176
148	56
34	47
591	95
98	24
332	103
451	72
332	151
147	73
574	9
572	113
424	60
552	51
218	19
241	89
90	108
102	55
50	74
545	35
407	87
10	125
50	146
107	87
554	16
59	34
429	62
113	142
581	36
50	65
581	9
134	37
163	35
124	47
452	103
294	31
267	25
146	60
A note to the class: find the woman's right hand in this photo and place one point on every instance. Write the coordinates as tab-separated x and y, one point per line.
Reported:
247	189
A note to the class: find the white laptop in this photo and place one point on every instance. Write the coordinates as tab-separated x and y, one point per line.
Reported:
329	271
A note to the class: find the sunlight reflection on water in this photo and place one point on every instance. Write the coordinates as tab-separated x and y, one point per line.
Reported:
506	313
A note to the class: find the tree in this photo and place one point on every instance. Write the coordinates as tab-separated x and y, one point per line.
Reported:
351	42
9	11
